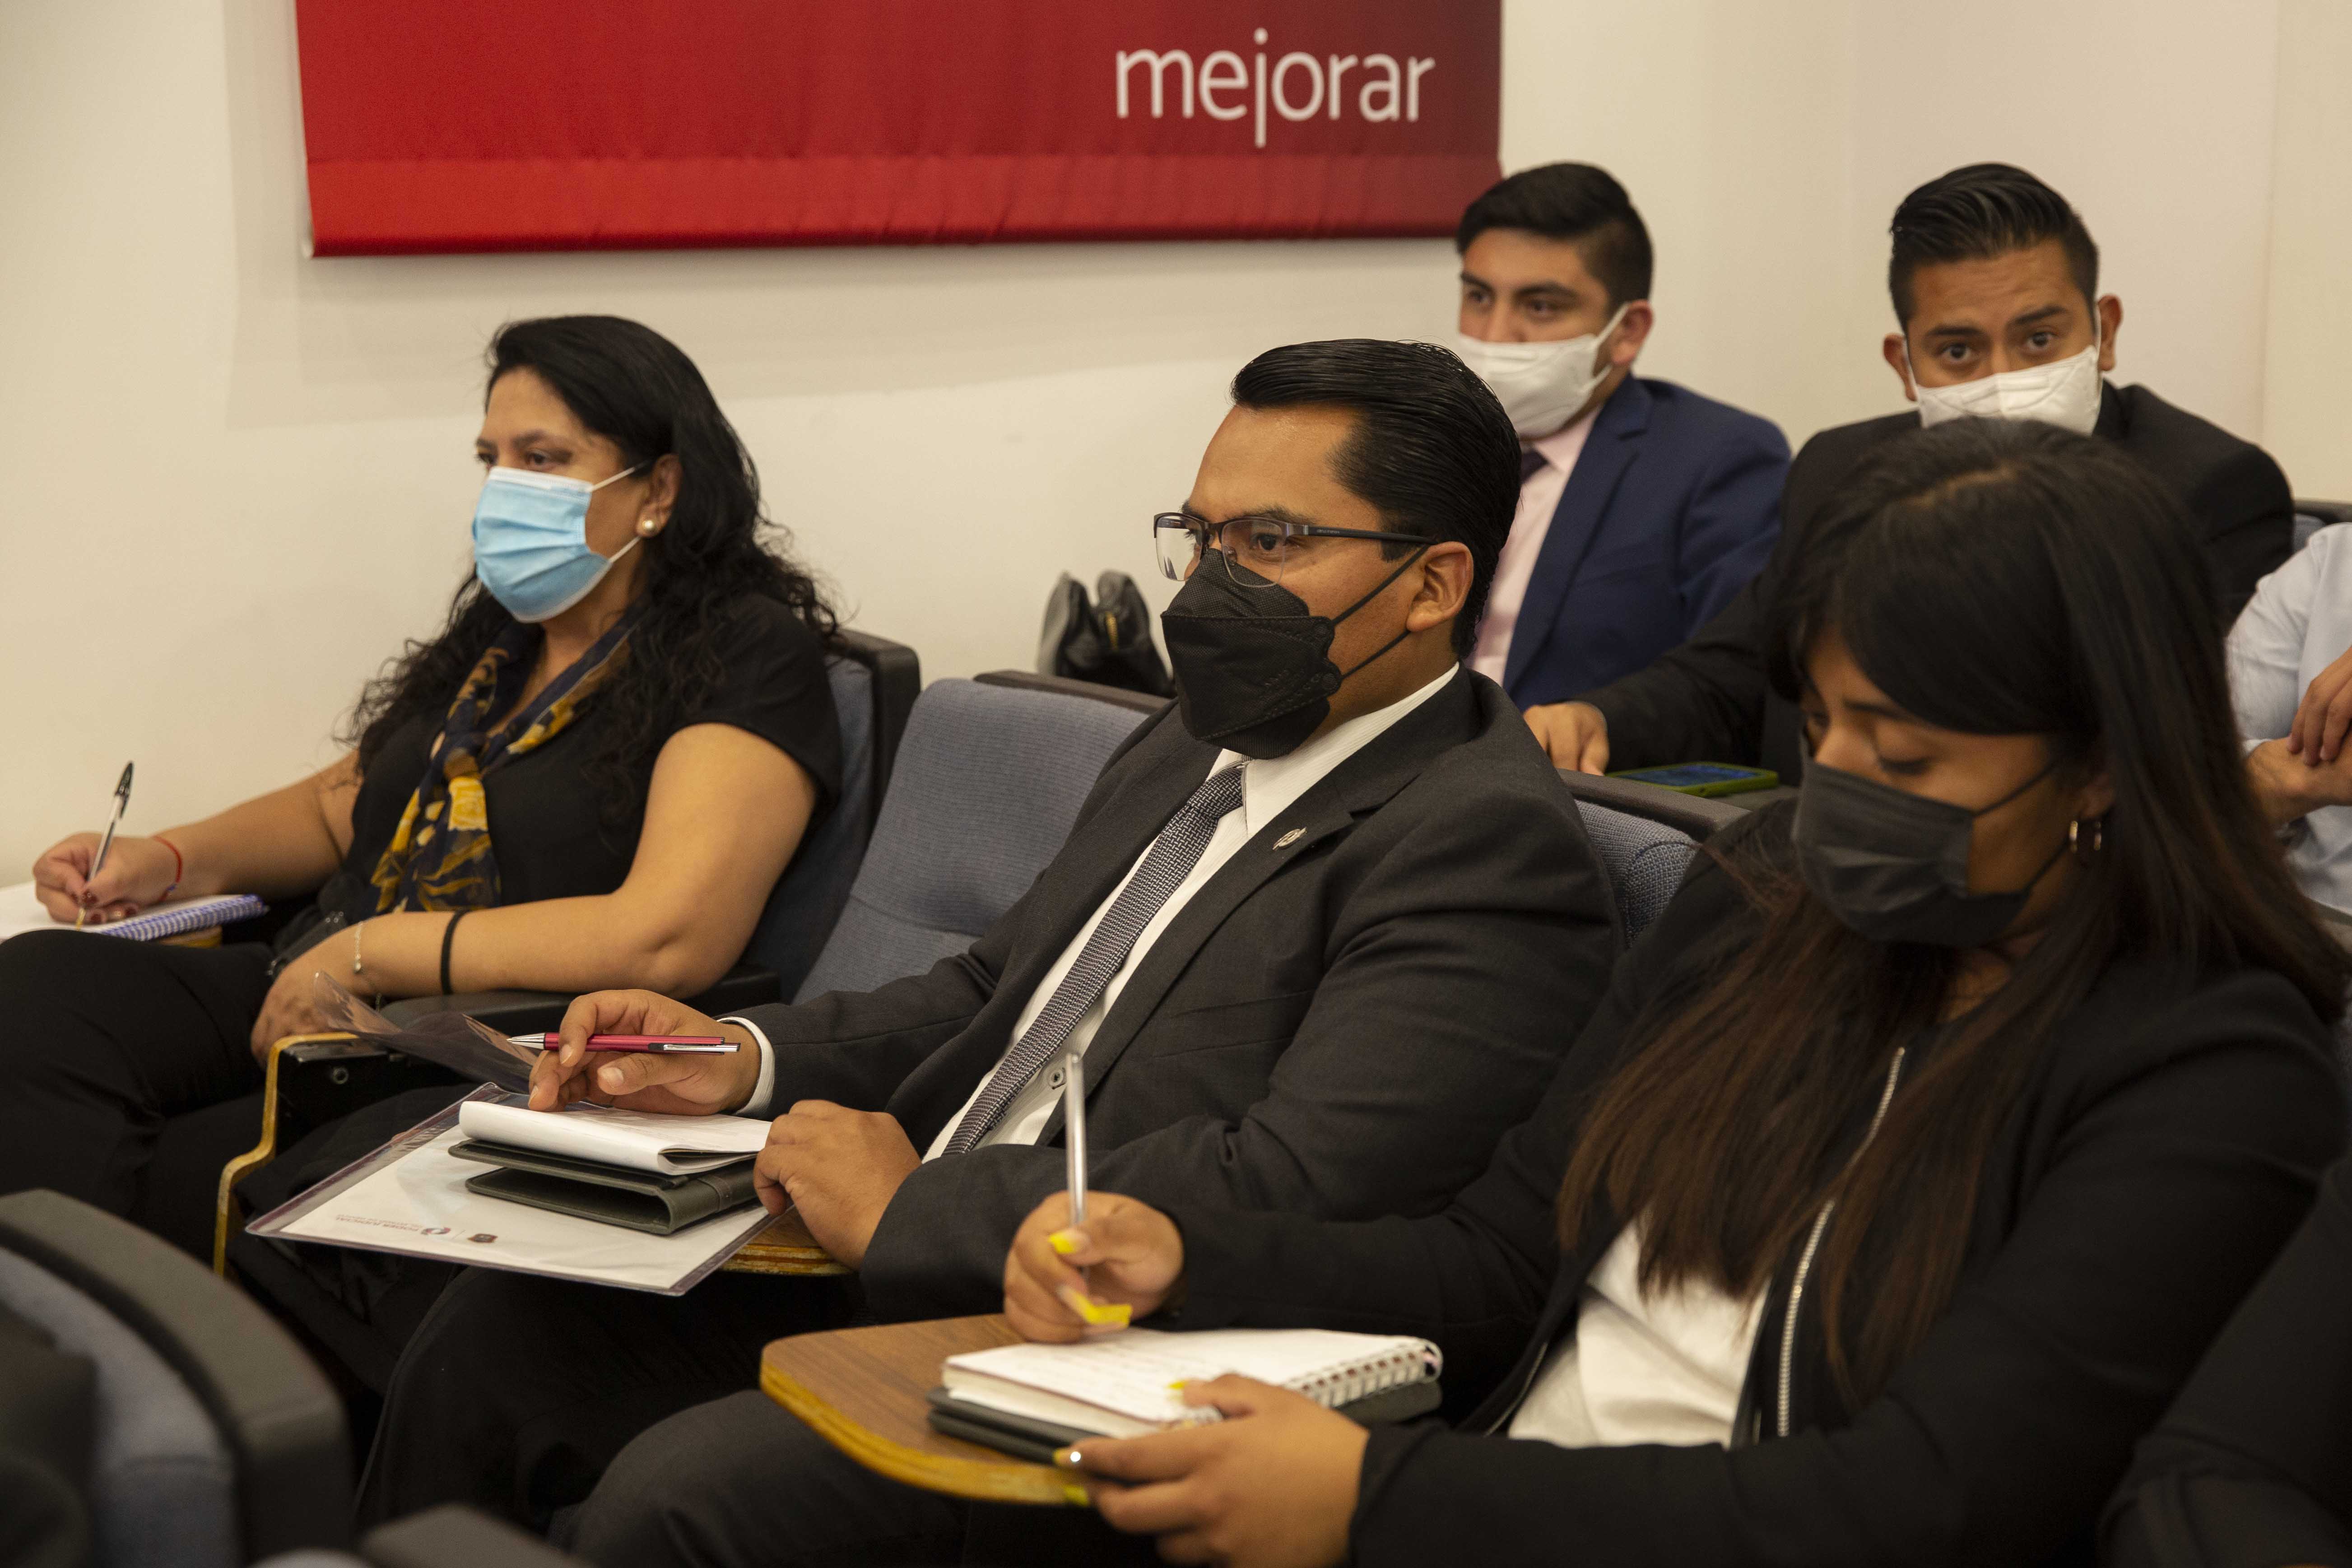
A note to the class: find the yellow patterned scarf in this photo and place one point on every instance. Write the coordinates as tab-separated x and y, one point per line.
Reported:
440	856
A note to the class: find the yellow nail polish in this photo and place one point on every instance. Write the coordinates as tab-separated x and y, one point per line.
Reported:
1067	1457
1099	1314
1063	1242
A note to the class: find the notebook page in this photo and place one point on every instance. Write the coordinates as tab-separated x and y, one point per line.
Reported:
1134	1373
636	1139
21	910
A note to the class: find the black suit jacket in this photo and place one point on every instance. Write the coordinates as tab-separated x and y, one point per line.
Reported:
1708	699
2253	1466
1340	1025
2165	1145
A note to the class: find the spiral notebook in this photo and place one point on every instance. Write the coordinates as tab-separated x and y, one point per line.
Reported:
21	910
1129	1384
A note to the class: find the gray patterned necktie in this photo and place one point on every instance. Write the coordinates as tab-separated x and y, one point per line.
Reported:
1165	866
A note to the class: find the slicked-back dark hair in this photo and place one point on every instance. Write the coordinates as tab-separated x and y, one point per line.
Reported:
628	383
1432	451
1576	202
1975	214
1993	577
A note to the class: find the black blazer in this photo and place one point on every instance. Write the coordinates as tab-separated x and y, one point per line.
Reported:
1708	699
1342	1024
2253	1469
2166	1145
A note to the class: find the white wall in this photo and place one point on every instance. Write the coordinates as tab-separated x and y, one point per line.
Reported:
239	478
2308	394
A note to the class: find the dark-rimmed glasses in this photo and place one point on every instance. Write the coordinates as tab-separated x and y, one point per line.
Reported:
1265	545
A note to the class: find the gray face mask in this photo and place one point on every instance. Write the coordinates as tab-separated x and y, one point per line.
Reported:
1895	866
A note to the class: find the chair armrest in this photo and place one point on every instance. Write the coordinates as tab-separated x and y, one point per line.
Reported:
309	1081
508	1012
541	1012
1692	814
453	1536
281	1419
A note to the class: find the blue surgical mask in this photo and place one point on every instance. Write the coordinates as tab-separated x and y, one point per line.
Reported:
530	542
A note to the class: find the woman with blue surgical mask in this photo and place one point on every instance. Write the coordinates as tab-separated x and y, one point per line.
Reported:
591	776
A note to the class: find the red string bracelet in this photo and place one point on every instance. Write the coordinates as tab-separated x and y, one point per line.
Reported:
179	865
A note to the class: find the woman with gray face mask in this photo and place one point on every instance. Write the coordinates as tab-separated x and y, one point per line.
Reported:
1920	1148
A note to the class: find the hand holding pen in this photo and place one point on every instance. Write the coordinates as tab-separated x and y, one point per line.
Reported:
103	877
97	861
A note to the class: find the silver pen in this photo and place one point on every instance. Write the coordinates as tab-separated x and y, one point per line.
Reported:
1099	1315
97	861
1074	1131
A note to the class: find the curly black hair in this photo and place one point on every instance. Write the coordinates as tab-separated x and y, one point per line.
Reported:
632	386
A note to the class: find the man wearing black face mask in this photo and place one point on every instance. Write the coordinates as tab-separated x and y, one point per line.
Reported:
1321	934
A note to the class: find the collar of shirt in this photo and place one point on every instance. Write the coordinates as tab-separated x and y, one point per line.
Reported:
1560	448
1270	785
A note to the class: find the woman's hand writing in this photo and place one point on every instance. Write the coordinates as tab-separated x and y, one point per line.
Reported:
1274	1485
696	1084
1134	1254
137	873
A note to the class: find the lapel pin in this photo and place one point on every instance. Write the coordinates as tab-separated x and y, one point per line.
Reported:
1289	838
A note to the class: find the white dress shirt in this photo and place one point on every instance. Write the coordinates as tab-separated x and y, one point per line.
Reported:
1269	786
2297	624
1539	498
1642	1368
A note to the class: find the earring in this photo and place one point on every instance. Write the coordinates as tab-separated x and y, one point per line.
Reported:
2086	846
647	528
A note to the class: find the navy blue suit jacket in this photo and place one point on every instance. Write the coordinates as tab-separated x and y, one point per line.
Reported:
1674	504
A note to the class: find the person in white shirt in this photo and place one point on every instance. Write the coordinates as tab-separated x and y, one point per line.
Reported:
1644	507
1320	935
2291	682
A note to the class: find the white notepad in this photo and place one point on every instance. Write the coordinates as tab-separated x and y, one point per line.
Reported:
1128	1383
634	1140
21	910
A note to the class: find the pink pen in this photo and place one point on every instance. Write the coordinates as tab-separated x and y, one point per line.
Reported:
655	1042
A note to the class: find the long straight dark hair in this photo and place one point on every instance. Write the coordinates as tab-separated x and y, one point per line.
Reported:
1995	579
638	390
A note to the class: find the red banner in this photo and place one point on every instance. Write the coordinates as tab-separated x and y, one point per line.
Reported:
456	125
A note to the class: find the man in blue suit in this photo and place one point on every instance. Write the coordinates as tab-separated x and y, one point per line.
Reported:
1642	506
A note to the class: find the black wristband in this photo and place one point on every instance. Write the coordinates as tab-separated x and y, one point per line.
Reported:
449	934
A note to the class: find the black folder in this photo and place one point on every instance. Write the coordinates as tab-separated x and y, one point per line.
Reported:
641	1200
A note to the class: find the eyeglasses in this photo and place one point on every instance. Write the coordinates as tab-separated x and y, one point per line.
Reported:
1266	546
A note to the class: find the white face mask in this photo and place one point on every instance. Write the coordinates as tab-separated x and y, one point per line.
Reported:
1541	385
2064	393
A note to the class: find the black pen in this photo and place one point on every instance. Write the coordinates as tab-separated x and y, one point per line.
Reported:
121	805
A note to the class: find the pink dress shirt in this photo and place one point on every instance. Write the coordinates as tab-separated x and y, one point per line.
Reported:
1539	498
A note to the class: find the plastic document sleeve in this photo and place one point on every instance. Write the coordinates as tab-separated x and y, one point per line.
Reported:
412	1197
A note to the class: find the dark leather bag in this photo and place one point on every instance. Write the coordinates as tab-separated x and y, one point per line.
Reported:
1107	640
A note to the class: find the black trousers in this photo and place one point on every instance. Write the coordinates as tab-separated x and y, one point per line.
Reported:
740	1483
515	1391
523	1396
102	1039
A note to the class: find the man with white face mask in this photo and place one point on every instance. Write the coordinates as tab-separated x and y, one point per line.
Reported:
1995	286
1642	506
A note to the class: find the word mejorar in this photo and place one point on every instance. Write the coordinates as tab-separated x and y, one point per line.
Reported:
1298	86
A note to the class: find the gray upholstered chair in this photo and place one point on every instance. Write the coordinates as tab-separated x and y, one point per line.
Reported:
989	778
215	1440
2311	516
1645	837
446	1537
